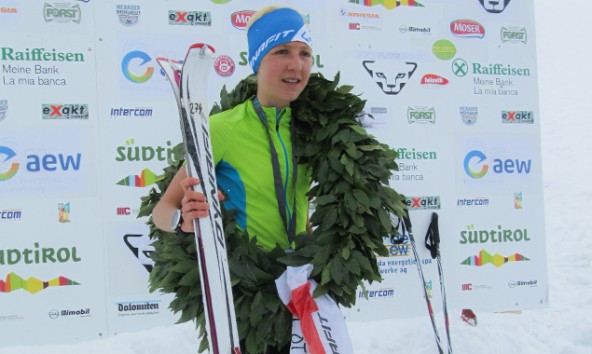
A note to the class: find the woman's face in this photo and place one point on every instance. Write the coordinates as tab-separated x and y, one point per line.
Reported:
283	74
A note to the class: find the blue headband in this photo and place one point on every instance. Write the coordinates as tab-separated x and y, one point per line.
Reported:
272	29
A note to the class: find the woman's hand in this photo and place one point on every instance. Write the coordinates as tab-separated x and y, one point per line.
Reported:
193	204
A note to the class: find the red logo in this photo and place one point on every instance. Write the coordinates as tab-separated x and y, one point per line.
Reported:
433	79
467	28
123	211
467	287
354	26
240	19
56	111
224	65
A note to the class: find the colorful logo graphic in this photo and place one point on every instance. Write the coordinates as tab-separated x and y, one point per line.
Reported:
128	15
146	178
9	153
3	109
475	154
64	212
389	84
388	4
14	282
467	29
518	200
220	2
494	6
135	56
444	49
497	259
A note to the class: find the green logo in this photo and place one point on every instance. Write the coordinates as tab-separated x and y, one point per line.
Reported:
221	1
444	49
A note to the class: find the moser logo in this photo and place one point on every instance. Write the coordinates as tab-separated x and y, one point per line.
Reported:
64	111
518	117
37	163
467	29
240	19
469	114
10	214
391	82
476	166
39	54
473	202
421	114
513	34
414	29
433	80
423	203
129	15
141	112
494	6
190	18
494	235
61	12
224	65
3	109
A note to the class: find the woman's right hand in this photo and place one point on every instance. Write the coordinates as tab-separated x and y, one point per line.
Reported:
193	204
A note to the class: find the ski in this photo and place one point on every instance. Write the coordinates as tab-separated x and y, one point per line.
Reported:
189	81
434	238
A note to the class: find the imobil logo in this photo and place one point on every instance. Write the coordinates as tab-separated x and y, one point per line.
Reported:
240	19
467	29
476	165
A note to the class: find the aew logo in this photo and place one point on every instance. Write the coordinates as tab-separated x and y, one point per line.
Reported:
141	248
389	86
494	6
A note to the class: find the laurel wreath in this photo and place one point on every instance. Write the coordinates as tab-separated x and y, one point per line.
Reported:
353	201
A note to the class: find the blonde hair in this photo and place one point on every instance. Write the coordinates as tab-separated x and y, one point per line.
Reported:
257	15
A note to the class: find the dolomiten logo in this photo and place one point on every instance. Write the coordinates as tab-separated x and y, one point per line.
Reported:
61	12
129	15
513	34
467	28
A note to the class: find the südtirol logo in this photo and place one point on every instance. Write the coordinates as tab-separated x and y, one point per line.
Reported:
132	152
494	6
190	18
475	165
8	155
316	60
129	15
444	49
61	12
64	111
494	235
467	29
513	34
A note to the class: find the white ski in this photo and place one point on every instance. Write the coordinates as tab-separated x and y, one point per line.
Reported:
190	83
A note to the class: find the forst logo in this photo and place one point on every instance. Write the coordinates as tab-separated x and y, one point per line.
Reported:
61	12
421	114
240	19
475	166
494	6
467	29
513	34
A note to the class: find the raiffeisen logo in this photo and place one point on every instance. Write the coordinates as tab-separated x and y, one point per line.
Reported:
467	29
138	59
8	154
476	166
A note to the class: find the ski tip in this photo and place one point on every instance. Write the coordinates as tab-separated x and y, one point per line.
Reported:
202	46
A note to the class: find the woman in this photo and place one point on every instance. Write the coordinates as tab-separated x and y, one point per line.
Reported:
253	143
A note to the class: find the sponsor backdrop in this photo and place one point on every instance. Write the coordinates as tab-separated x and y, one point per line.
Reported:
88	120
